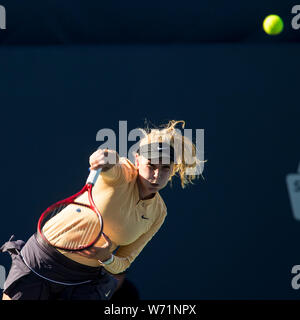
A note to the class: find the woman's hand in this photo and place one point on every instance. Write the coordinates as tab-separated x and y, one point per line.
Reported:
103	158
101	253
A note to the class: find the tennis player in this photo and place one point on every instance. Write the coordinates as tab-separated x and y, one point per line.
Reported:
128	198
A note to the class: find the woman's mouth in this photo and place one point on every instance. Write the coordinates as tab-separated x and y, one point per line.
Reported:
154	184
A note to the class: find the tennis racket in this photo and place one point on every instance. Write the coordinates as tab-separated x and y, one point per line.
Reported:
75	223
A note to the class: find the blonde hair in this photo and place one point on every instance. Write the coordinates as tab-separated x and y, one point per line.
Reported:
185	150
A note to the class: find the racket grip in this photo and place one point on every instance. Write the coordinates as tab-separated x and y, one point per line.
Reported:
93	176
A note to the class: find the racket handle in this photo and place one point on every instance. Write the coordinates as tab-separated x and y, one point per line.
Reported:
93	176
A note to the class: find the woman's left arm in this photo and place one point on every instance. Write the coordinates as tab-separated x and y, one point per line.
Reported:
127	254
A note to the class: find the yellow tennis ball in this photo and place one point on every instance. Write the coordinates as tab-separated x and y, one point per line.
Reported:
273	24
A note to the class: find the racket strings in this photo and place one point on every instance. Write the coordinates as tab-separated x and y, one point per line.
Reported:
52	232
71	226
87	234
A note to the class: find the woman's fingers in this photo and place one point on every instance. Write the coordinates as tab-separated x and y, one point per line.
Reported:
98	253
83	253
103	157
99	158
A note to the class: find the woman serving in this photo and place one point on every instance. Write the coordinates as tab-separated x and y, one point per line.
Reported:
127	195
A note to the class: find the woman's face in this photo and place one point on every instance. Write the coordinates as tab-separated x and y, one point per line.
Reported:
153	177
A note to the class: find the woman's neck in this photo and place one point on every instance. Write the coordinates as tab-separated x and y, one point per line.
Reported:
143	194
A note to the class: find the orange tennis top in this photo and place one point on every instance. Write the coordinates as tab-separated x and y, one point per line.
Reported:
129	222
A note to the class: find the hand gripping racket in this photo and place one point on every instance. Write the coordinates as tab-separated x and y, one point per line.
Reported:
75	223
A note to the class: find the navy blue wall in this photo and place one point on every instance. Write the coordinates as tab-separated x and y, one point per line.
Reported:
169	21
70	69
230	236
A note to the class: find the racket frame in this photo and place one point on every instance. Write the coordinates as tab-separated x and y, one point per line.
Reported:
70	200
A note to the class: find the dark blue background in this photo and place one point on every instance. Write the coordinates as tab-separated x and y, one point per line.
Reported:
230	236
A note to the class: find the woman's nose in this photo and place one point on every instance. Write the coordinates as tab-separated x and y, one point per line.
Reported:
156	173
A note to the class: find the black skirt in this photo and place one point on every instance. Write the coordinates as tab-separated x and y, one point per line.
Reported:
40	272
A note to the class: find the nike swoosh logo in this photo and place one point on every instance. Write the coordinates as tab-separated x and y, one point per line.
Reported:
107	294
143	217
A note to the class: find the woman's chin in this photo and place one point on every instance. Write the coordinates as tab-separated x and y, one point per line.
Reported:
154	189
